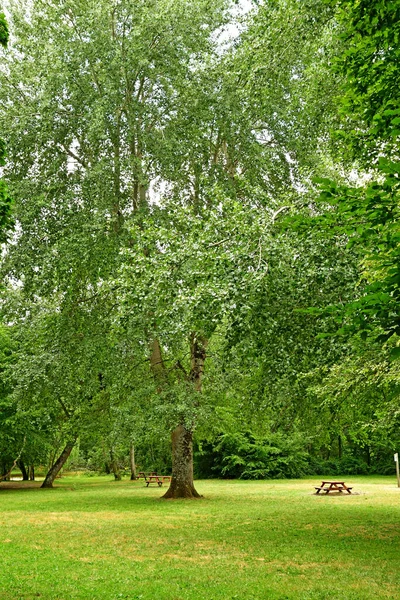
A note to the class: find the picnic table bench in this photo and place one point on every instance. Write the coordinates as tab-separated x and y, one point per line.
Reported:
157	479
143	474
333	486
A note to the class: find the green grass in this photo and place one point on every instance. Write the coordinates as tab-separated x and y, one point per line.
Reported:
91	538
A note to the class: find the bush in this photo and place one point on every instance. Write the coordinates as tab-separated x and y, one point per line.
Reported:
348	465
247	456
244	455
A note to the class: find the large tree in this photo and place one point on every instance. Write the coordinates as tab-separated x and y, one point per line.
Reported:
150	165
204	264
89	99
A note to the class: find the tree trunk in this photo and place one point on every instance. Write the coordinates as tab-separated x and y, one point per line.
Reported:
58	465
132	462
368	456
5	474
198	346
31	471
156	362
182	485
114	467
340	447
24	472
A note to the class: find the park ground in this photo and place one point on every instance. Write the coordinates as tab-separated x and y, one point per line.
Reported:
92	538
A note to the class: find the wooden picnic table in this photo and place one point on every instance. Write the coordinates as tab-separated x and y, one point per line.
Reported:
333	486
157	479
145	474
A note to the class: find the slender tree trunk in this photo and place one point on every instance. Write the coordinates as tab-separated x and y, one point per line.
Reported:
132	462
198	345
31	472
115	467
368	456
5	475
24	472
182	485
58	465
340	447
156	362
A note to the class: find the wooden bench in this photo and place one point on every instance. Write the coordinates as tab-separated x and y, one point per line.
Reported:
156	479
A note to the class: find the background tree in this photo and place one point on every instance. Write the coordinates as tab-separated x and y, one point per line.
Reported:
5	200
368	213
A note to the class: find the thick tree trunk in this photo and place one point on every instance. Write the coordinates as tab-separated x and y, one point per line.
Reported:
182	485
132	462
23	470
58	465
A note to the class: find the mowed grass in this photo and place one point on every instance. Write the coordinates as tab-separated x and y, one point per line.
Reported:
91	537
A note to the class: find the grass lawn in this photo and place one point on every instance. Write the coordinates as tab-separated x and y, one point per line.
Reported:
91	537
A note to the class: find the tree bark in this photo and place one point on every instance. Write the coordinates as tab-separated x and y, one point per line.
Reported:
31	471
198	345
182	485
132	462
23	470
58	465
156	362
368	456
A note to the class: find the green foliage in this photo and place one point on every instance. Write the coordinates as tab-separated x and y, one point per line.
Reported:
5	199
349	465
246	456
3	30
369	62
369	214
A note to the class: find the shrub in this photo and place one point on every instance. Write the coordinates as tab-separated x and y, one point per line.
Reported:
247	456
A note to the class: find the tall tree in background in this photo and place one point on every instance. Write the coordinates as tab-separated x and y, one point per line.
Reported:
369	135
5	200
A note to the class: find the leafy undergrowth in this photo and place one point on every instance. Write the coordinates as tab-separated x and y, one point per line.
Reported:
93	538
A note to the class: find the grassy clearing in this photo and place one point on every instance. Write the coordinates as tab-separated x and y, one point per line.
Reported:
93	538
